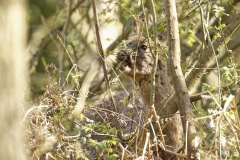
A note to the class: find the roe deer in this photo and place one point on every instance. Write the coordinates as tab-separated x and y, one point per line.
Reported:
137	63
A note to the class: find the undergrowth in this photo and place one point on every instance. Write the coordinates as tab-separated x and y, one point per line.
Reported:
52	134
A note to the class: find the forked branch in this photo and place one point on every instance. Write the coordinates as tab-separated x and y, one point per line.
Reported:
204	61
208	55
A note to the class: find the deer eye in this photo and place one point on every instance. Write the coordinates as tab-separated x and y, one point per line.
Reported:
143	47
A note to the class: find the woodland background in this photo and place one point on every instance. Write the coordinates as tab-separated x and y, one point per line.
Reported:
61	47
73	22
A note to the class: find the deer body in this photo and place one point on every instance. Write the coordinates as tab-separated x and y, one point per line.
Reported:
137	63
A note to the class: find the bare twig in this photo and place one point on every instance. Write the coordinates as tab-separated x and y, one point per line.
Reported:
64	35
204	62
179	155
155	57
207	95
156	118
59	48
93	70
65	26
122	149
208	54
100	50
145	145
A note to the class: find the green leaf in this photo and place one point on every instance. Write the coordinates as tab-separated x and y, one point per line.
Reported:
183	28
210	137
200	111
112	131
233	91
111	157
208	87
222	26
161	27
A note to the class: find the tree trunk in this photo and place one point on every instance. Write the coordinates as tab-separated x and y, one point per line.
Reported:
12	84
180	86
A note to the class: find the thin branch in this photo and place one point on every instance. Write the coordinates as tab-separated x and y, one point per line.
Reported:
177	75
65	26
204	23
145	145
208	54
207	95
59	48
100	50
155	57
45	41
83	92
204	62
64	35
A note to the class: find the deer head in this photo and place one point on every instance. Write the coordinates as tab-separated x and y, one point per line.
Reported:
136	59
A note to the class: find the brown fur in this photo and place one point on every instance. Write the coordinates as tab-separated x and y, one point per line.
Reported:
137	63
130	109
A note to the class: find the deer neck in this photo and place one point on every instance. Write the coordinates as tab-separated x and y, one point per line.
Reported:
163	87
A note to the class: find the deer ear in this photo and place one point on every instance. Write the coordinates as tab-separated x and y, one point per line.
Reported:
137	21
